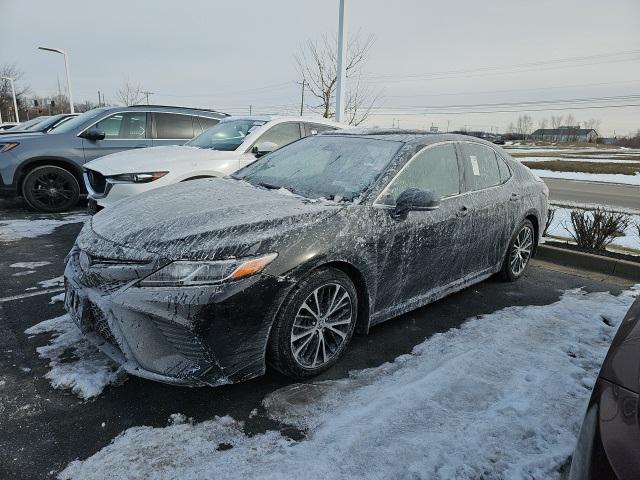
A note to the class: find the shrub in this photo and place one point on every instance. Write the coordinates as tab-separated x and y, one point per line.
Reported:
550	215
595	229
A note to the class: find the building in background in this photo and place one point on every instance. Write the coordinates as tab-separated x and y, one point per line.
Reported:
565	134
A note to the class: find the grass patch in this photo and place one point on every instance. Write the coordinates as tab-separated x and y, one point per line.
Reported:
585	167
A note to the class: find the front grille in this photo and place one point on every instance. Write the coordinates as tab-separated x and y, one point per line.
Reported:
97	181
100	324
183	340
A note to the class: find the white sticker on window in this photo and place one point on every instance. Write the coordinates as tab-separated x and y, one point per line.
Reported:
474	165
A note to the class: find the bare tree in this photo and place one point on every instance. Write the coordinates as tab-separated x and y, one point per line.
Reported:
592	123
6	95
569	121
316	63
556	121
130	94
542	123
524	125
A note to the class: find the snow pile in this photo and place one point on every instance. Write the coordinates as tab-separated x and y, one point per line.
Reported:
13	230
591	177
501	397
75	363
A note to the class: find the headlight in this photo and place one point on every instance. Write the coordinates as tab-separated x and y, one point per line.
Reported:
137	177
5	147
186	273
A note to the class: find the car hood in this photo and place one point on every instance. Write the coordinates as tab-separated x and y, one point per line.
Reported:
11	136
203	219
154	159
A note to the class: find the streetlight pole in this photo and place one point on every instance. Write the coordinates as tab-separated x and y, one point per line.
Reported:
66	67
342	61
13	91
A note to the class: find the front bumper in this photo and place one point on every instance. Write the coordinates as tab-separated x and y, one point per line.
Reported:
609	439
206	335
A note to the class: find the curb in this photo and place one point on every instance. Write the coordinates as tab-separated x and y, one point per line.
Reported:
588	261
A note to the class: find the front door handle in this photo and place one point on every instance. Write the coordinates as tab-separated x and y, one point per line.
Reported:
141	146
462	212
515	196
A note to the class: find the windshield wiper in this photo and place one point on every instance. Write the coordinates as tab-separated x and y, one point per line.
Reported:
270	186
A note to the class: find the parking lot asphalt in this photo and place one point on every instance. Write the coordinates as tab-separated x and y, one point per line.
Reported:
42	429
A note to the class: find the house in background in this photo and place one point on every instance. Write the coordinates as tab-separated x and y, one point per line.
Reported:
565	134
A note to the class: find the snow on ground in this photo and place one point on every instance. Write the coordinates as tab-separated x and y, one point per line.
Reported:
501	397
562	221
591	177
605	159
29	265
75	363
13	230
52	282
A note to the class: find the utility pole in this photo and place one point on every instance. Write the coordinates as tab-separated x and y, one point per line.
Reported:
342	61
250	109
302	97
99	104
146	94
13	92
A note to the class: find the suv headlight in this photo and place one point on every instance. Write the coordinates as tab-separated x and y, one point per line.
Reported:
187	273
5	147
136	177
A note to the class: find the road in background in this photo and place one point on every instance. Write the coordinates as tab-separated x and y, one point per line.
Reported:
610	194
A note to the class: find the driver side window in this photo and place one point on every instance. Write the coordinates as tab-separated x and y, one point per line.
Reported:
434	168
281	134
125	125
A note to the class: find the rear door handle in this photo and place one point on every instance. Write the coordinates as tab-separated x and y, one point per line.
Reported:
462	212
141	146
515	196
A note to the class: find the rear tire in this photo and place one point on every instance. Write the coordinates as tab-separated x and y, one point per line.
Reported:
519	252
314	325
50	189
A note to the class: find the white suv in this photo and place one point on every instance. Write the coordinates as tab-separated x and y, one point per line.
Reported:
216	152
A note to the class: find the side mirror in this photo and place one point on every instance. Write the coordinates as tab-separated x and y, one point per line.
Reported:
263	148
415	199
94	134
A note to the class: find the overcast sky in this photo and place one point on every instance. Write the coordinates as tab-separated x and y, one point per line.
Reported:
427	55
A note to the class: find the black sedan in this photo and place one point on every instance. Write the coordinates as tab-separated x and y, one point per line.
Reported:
205	282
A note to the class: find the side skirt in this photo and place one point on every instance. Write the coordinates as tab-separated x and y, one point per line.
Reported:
431	296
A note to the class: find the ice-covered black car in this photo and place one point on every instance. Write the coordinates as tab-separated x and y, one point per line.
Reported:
205	282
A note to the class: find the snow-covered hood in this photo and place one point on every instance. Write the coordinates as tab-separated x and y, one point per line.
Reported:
208	218
154	159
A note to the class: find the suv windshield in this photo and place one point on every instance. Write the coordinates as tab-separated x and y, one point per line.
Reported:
78	121
333	167
227	135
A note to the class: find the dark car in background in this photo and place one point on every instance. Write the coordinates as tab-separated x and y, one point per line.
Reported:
47	169
609	441
40	125
204	282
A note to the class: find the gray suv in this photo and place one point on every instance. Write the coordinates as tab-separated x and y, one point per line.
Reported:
47	169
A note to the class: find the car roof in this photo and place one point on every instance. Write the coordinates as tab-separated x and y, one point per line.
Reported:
286	118
412	137
170	108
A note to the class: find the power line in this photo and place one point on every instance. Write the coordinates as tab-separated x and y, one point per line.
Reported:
397	113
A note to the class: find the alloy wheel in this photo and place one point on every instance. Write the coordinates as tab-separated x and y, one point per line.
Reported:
321	325
521	250
51	190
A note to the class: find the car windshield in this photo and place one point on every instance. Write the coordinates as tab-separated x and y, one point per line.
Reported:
45	124
28	125
78	121
337	168
226	136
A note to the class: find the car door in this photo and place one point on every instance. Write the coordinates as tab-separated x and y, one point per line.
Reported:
426	252
123	131
173	128
281	134
490	203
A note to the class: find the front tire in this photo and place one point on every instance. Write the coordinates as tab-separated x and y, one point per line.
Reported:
519	252
314	325
50	189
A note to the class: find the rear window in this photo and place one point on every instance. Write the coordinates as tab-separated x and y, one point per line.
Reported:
170	126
